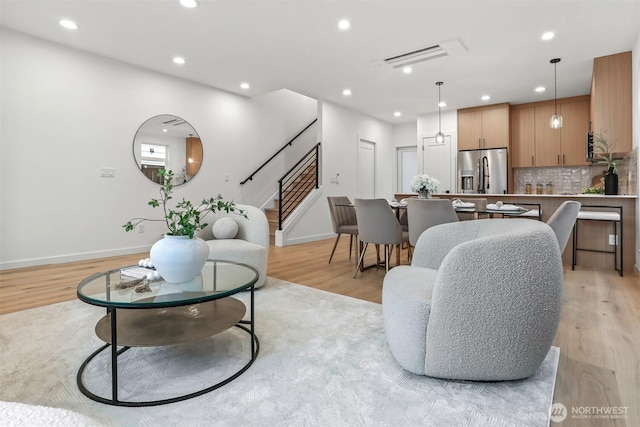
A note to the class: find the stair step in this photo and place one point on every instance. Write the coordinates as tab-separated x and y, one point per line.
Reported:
298	189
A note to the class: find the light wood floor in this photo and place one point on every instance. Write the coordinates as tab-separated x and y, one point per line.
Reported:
598	334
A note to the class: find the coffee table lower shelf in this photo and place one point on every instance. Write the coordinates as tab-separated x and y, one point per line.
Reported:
166	326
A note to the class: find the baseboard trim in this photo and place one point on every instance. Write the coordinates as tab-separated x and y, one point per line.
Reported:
307	239
9	265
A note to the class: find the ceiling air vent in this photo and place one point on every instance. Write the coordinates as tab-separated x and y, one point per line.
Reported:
425	54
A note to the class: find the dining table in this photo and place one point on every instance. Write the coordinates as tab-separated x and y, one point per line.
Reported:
489	210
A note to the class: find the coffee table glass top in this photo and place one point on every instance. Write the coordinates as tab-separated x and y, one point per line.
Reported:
115	289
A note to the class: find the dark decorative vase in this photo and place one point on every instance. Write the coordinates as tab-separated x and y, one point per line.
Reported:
611	182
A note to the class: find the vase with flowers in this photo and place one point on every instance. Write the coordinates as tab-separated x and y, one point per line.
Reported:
180	256
424	185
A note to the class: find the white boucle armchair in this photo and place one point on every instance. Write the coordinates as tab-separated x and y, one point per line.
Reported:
481	300
249	246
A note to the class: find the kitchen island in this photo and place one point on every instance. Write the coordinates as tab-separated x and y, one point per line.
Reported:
592	234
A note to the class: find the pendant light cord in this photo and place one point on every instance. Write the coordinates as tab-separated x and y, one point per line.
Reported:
555	85
439	134
439	113
555	88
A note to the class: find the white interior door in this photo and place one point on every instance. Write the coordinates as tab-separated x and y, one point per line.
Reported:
366	169
438	161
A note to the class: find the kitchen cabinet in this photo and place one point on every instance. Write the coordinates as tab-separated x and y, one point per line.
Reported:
194	155
547	140
523	137
534	143
573	135
483	127
611	100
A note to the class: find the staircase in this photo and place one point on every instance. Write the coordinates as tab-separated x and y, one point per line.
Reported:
300	187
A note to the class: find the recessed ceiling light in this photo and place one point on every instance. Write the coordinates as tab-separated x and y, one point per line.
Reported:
540	89
68	24
407	70
189	3
442	104
346	92
179	60
344	24
548	35
245	85
485	97
397	114
164	130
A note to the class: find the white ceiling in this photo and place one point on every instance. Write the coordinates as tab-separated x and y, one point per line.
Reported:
297	45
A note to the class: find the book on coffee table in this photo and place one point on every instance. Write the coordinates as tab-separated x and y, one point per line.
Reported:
136	272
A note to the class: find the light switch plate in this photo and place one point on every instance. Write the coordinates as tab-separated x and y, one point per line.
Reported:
107	172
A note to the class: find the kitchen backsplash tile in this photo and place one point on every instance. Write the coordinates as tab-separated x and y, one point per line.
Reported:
571	180
628	173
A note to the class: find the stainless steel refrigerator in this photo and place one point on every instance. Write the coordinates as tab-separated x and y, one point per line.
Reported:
482	171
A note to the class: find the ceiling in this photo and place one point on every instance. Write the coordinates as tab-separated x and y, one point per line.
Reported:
297	45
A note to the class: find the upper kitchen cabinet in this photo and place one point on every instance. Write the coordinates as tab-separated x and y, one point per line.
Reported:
547	140
611	101
523	147
573	135
534	143
483	127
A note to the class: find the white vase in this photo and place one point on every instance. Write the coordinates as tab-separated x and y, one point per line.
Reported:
179	259
424	194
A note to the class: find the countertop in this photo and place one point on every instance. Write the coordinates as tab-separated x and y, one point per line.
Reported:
562	196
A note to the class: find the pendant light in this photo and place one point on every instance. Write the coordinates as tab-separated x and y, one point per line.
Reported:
556	120
439	135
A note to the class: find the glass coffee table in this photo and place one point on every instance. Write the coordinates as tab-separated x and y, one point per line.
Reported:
148	314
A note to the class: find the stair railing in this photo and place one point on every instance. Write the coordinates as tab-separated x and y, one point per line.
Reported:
288	144
294	186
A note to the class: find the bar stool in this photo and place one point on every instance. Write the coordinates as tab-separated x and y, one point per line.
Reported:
601	215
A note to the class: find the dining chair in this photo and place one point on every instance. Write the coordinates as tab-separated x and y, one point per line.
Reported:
562	221
377	224
344	221
425	213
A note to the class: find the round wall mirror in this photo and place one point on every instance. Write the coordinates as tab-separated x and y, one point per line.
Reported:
167	142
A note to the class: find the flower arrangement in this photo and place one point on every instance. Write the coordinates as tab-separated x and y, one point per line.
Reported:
605	154
185	219
422	183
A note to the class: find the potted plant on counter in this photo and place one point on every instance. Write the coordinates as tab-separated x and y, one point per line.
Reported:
424	185
604	154
180	256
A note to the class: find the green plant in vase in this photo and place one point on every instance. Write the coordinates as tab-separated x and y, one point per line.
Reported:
180	256
185	219
604	153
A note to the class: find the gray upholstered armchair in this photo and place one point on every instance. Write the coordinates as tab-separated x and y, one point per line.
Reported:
481	300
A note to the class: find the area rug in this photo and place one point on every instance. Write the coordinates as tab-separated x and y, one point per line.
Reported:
323	361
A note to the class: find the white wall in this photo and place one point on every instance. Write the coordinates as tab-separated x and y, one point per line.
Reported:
427	126
341	129
404	135
296	111
66	114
